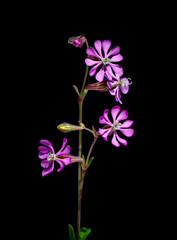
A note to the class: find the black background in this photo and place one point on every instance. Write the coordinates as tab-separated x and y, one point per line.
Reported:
122	194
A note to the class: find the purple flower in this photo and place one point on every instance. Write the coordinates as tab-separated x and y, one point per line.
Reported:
117	85
77	41
117	125
62	157
105	59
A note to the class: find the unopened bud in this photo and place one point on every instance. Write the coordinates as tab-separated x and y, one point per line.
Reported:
98	86
77	41
67	127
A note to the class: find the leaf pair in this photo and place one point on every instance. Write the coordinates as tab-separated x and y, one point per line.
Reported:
84	232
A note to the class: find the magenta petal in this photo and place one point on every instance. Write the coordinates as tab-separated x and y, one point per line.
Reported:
106	45
123	115
91	52
104	132
121	140
98	47
43	149
114	112
105	115
48	170
90	62
116	67
124	89
117	58
63	146
47	143
127	124
114	140
100	75
128	132
114	51
61	165
118	95
45	164
113	91
65	151
93	69
42	155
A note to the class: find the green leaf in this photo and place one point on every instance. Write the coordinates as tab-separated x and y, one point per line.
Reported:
84	232
71	232
83	157
90	161
76	89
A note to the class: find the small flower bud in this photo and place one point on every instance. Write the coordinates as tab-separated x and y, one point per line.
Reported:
77	41
98	86
67	127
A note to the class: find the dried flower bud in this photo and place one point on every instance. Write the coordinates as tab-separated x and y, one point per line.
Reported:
67	127
77	41
98	86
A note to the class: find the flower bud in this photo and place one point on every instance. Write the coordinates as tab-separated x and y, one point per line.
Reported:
98	86
77	41
67	127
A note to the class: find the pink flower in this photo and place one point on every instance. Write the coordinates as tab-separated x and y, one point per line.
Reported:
77	41
117	125
105	59
118	85
62	157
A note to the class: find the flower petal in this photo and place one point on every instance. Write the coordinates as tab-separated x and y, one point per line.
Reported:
90	62
114	112
43	149
123	115
45	164
61	165
116	58
98	47
105	115
124	89
91	52
115	67
93	69
118	95
100	75
104	132
126	124
106	45
128	132
114	51
42	155
48	170
114	140
63	146
121	140
47	143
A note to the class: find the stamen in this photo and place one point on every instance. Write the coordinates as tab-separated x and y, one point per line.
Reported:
105	61
51	156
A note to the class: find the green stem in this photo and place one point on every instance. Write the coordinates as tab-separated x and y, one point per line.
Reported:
80	181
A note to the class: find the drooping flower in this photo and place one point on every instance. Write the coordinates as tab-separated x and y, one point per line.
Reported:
117	125
118	85
62	157
103	59
77	41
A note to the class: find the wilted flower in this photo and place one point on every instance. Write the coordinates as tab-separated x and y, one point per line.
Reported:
104	60
62	157
117	125
98	86
77	41
117	84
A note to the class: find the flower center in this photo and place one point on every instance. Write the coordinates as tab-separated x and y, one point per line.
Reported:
116	125
51	156
105	61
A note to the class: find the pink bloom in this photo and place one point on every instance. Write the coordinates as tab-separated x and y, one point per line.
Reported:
118	85
117	125
62	157
103	59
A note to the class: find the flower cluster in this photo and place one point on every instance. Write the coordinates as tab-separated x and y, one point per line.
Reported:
105	63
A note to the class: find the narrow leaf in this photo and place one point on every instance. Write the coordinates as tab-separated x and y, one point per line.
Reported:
76	89
90	161
84	232
71	232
